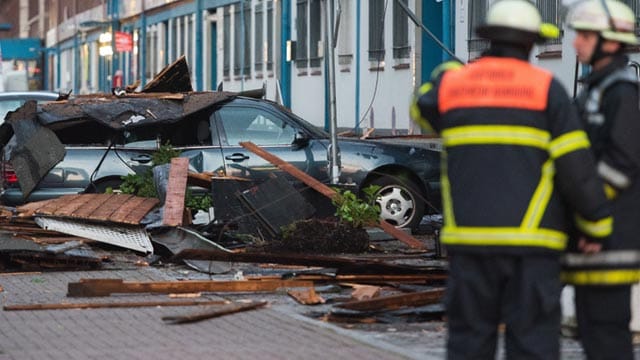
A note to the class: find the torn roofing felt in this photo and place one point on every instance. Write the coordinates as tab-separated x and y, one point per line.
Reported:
131	110
37	148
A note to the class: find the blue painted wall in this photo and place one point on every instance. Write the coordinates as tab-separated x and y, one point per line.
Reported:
431	52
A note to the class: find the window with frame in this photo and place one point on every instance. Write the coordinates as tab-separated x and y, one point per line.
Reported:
226	42
550	14
345	47
247	39
302	59
477	13
401	47
315	32
259	42
270	36
376	30
309	32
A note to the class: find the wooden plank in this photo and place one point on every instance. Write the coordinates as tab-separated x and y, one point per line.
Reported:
127	304
176	190
365	292
327	191
199	179
226	310
396	301
377	279
306	297
294	171
71	204
85	211
105	211
344	264
123	213
141	211
106	287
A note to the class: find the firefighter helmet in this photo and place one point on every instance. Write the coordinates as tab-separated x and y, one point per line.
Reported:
612	19
516	21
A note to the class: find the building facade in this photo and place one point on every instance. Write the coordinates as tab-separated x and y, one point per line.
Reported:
380	54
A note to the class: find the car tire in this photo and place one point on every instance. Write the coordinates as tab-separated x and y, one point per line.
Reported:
102	186
401	202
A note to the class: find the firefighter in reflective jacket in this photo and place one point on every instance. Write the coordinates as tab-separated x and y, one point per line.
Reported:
515	162
610	110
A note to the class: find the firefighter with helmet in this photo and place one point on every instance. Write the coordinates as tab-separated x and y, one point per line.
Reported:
515	162
610	110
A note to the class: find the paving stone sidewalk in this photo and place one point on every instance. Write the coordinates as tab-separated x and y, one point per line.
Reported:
139	333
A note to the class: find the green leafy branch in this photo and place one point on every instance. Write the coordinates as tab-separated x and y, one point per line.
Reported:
356	211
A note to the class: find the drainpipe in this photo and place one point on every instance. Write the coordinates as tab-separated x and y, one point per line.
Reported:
243	35
329	47
198	58
446	27
356	128
142	48
115	26
285	66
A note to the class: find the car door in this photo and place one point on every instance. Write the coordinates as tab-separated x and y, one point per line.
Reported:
274	132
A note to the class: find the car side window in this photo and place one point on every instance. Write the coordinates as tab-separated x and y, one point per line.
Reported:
255	125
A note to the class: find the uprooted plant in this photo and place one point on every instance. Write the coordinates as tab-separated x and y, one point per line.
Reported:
345	234
359	212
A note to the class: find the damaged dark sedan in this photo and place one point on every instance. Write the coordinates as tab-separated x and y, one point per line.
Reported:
88	143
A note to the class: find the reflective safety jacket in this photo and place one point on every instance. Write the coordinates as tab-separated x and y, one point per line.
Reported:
514	156
610	109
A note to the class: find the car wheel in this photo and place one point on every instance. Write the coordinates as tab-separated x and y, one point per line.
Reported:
401	203
102	186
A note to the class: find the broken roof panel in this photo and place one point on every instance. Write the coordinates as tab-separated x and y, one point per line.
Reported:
131	110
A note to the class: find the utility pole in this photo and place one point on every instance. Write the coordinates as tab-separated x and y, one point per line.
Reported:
329	45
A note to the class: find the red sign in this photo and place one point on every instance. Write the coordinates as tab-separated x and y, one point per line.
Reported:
124	41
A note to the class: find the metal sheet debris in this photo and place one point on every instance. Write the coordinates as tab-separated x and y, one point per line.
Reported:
130	237
178	239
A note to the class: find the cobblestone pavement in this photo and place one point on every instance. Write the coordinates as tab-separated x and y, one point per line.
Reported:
281	331
139	333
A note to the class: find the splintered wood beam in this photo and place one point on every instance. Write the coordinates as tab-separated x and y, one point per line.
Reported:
345	265
200	179
362	278
396	301
327	191
65	306
176	191
306	297
106	287
225	310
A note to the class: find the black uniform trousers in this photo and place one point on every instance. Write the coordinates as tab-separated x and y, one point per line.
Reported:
604	314
523	292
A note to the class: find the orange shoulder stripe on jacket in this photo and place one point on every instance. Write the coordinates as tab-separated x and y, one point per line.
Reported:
495	82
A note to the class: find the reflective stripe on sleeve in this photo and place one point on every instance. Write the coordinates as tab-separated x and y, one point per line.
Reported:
567	143
599	228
